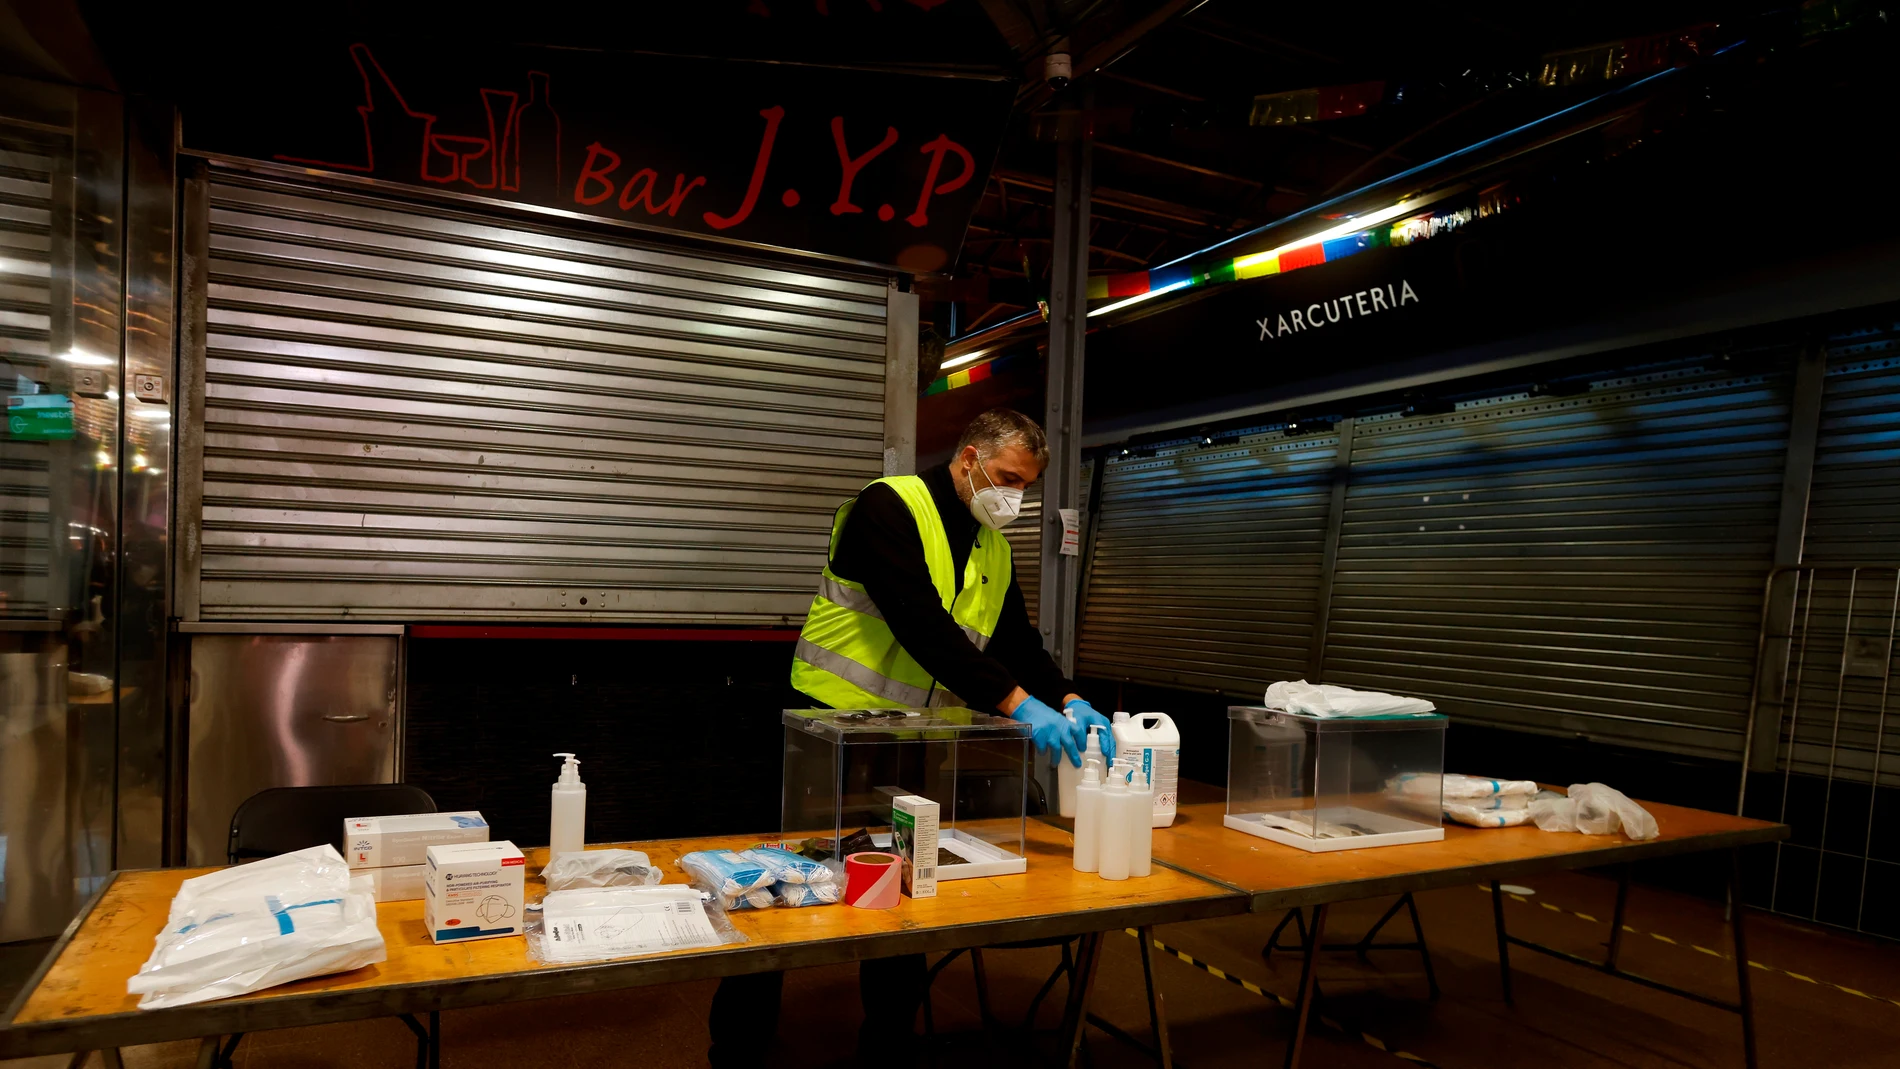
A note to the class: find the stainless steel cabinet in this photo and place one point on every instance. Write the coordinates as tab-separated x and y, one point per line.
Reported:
285	710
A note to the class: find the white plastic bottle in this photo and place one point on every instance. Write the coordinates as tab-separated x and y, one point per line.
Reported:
1068	775
567	827
1113	855
1088	820
1141	833
1153	744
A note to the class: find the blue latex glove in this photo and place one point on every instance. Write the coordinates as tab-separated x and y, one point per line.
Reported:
1051	730
1085	718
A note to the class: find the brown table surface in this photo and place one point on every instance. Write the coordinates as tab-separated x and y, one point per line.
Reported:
1281	877
79	1001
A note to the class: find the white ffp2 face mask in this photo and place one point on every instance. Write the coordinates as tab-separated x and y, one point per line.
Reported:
995	507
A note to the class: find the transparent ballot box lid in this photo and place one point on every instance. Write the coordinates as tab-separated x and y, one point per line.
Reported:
843	768
1335	783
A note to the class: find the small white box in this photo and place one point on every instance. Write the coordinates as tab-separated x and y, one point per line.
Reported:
914	836
384	842
473	891
398	883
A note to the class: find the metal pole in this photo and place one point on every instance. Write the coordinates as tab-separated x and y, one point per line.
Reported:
1329	557
1797	479
1062	411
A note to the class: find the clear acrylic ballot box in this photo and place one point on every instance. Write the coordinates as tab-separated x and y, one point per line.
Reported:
843	768
1335	783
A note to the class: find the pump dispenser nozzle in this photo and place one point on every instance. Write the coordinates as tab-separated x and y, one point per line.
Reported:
570	770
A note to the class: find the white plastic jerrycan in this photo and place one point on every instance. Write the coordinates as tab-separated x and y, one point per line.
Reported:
1153	743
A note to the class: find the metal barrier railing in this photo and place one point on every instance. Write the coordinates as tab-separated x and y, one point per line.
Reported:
1818	740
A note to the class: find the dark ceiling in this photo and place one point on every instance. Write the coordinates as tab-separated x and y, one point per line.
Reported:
1178	167
1177	164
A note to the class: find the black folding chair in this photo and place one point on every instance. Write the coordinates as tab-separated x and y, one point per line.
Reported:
280	820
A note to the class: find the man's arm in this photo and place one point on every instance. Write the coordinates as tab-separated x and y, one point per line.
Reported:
880	548
1018	645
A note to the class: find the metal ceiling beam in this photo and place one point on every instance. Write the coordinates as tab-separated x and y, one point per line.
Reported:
1107	51
1165	161
1154	206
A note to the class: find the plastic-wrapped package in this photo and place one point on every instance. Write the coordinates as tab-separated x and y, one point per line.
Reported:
254	926
1594	809
1454	787
739	881
787	867
1319	699
807	894
1482	815
596	924
600	868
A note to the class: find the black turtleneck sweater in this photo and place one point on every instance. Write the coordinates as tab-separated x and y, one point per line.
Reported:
880	548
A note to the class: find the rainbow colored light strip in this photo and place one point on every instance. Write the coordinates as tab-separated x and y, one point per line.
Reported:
1140	283
969	375
1134	286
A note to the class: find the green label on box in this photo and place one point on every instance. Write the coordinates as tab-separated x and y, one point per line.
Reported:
39	417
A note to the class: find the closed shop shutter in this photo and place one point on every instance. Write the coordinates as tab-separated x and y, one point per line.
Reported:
1025	549
416	412
1586	565
1854	506
26	249
1207	563
1839	693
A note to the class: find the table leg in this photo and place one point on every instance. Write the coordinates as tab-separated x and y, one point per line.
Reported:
208	1052
1157	1015
1504	942
1746	999
1076	1021
111	1058
1303	1002
1424	950
1616	918
435	1039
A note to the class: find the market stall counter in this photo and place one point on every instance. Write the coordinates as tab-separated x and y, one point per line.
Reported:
78	1000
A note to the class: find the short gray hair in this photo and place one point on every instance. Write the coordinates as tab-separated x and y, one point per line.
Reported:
1000	428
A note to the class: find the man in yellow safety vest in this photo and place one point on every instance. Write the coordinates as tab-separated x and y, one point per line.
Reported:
918	606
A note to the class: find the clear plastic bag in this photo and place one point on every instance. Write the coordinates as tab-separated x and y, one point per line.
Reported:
598	924
786	867
807	894
254	926
738	881
600	868
1594	809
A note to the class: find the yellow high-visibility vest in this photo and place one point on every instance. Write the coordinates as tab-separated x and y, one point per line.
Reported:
846	656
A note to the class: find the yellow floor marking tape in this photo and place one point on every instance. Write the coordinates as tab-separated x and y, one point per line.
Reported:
1844	989
1285	1003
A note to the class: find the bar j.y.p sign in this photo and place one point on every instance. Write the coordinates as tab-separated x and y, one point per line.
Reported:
866	165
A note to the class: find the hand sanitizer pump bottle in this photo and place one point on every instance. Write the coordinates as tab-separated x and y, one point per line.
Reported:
567	828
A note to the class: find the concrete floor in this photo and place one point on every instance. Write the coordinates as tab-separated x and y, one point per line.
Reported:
1565	1016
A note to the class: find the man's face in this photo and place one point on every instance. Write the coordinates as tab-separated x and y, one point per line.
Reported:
1012	468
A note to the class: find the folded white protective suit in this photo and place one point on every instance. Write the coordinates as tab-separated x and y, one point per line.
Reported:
254	926
1483	816
1315	699
1501	793
1594	809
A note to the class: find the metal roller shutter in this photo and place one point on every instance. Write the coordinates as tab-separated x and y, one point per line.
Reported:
1586	565
1025	549
26	249
1207	563
414	412
1844	618
1854	506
